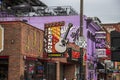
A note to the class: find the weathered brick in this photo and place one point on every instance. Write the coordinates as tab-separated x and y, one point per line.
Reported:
15	40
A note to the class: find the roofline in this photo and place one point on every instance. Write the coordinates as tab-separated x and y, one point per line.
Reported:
110	23
2	22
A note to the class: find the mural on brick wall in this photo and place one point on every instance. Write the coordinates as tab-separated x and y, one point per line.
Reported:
1	38
33	42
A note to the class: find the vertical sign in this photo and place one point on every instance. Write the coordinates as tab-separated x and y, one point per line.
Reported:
100	43
1	38
51	37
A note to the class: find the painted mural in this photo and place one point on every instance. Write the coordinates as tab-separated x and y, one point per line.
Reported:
51	23
55	38
1	38
39	22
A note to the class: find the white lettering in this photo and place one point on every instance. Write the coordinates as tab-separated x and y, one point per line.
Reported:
50	36
49	43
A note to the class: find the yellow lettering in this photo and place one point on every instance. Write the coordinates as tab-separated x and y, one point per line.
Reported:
55	55
34	39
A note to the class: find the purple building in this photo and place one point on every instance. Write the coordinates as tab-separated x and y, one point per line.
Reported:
91	62
89	29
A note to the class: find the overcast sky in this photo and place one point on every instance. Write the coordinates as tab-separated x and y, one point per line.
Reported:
108	11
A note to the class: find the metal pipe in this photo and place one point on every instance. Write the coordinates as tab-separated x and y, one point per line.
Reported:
81	17
81	34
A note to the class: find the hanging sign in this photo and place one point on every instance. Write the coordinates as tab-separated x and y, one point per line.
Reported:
101	52
100	39
100	44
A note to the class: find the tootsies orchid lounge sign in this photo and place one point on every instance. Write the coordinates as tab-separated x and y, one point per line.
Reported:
100	39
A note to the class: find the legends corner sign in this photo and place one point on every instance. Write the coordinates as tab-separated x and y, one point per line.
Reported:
1	38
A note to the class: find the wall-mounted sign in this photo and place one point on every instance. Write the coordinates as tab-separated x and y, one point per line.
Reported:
100	43
1	38
51	37
100	39
73	55
100	34
101	52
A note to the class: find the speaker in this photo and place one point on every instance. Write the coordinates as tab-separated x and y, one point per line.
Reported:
115	56
115	40
115	46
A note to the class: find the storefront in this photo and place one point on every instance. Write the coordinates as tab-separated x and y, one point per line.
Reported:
21	46
30	68
39	69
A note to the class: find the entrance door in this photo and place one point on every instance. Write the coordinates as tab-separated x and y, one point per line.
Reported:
3	69
51	71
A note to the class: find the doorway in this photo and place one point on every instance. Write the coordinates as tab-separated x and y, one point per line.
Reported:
3	68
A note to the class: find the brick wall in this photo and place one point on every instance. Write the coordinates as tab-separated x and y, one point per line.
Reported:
109	27
70	71
32	41
11	39
20	39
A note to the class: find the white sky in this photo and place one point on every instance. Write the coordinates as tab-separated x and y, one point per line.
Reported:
108	11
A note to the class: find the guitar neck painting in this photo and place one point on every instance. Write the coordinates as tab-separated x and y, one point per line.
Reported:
67	31
61	45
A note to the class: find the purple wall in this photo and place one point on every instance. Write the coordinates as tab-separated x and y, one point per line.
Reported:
40	21
91	51
75	20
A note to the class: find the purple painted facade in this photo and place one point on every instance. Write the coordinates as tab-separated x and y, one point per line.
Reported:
40	21
91	53
89	30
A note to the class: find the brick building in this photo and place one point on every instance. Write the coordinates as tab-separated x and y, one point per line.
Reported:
21	55
109	27
23	43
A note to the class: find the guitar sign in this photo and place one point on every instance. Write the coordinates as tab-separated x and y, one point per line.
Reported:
61	45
